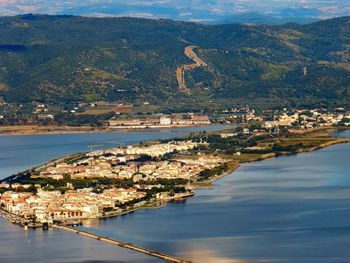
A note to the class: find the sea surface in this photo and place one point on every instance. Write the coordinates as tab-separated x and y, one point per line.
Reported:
17	246
20	152
288	209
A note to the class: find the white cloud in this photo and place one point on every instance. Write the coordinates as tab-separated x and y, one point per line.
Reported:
189	9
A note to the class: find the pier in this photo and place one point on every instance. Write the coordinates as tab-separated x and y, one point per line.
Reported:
12	217
17	220
123	244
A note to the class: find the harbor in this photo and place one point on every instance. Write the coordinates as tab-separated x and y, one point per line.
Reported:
14	219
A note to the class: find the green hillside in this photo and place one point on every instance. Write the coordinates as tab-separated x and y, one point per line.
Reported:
67	58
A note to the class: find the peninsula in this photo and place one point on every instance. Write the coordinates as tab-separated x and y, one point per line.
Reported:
116	181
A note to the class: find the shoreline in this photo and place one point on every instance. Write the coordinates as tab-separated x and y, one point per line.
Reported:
157	204
209	182
152	204
19	130
233	166
148	205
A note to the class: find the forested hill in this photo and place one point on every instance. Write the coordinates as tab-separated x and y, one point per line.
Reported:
67	58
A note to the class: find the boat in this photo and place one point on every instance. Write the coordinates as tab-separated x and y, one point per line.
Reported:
45	226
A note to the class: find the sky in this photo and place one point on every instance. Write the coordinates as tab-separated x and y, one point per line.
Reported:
188	10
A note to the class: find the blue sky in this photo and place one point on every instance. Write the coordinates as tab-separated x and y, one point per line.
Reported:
189	10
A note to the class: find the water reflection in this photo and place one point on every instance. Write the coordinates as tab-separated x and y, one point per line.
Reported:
289	209
18	153
18	246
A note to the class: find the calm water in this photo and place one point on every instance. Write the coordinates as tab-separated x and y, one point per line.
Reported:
59	246
18	153
289	209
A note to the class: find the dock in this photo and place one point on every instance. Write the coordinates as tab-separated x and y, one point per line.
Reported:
17	220
122	244
12	217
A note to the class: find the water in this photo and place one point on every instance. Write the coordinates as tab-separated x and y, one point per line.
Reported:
288	209
342	134
59	246
18	153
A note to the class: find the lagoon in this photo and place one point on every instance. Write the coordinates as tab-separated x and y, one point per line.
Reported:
20	152
287	209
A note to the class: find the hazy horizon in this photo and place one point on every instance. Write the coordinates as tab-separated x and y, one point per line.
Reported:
206	11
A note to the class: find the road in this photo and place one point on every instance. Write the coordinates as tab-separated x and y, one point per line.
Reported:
123	244
12	217
180	71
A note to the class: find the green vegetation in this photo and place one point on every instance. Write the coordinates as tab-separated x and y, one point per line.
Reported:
98	184
74	158
150	193
228	145
216	171
168	182
167	188
52	184
108	209
249	148
71	119
65	59
288	148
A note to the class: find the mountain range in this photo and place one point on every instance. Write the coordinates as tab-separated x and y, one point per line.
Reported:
64	59
202	11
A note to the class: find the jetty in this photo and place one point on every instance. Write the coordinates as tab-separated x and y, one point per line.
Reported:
122	244
12	218
17	220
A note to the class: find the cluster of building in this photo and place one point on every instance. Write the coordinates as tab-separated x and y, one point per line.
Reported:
308	119
48	206
135	171
159	121
239	115
112	114
296	118
154	150
123	163
133	163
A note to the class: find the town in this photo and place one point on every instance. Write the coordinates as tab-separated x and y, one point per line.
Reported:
119	115
292	118
120	179
110	182
97	114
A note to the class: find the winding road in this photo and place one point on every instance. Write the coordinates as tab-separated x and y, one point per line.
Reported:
180	71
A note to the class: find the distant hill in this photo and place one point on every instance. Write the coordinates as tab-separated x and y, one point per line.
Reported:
67	58
258	18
